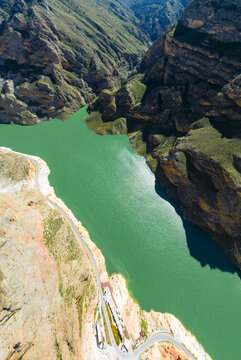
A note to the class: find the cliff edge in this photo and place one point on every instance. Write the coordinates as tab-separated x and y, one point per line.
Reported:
183	113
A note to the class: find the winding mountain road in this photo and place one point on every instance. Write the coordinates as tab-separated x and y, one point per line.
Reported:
158	337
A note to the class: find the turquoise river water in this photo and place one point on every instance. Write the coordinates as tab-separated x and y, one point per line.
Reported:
170	265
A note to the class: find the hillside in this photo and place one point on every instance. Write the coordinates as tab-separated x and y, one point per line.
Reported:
55	55
183	112
156	15
45	276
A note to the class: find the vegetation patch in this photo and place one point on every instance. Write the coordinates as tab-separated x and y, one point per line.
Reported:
80	313
136	87
139	144
27	118
60	240
144	325
70	295
58	352
84	301
106	331
47	81
1	277
61	286
114	328
76	287
181	162
95	123
165	145
51	228
14	166
208	142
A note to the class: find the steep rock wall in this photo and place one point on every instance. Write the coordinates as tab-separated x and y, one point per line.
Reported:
190	75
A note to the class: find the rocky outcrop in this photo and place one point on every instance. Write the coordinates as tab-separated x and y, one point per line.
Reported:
205	183
193	71
56	57
190	75
156	15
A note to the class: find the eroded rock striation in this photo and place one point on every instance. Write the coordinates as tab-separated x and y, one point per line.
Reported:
183	112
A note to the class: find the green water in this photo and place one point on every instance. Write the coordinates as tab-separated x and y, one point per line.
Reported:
170	265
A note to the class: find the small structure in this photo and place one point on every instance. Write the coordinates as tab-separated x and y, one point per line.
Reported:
100	329
126	345
115	313
141	338
98	334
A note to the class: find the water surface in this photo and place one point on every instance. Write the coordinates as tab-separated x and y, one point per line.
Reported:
170	265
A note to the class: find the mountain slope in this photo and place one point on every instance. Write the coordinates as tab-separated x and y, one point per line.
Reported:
5	8
45	277
184	114
156	15
55	54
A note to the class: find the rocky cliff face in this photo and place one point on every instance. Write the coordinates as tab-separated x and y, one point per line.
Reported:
5	8
194	70
54	55
156	15
184	114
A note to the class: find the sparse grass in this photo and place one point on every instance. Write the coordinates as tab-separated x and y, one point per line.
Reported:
209	143
46	80
70	295
106	332
89	293
70	345
114	328
61	286
95	123
92	23
137	142
140	146
136	87
27	118
50	230
14	166
1	277
55	229
58	353
144	326
181	162
84	302
166	143
203	122
80	313
151	162
76	286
